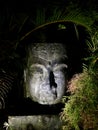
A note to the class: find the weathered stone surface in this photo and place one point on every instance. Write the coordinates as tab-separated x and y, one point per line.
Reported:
40	122
45	74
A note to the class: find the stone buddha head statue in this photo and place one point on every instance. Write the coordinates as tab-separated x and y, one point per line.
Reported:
46	72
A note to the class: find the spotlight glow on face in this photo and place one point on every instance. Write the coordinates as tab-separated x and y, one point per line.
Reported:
45	75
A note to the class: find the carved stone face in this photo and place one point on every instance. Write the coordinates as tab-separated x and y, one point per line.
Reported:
46	72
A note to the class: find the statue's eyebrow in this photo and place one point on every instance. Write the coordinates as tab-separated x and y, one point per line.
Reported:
40	60
59	60
37	65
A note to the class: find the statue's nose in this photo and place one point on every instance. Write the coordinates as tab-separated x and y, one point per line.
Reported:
52	80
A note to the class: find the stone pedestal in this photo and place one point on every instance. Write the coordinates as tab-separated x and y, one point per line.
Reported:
35	122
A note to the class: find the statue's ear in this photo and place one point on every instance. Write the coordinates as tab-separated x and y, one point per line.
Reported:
26	88
25	76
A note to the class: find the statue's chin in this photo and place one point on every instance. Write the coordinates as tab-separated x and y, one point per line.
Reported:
47	99
49	102
46	95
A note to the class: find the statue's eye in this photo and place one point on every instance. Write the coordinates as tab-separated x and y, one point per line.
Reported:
39	70
36	70
60	70
64	69
60	67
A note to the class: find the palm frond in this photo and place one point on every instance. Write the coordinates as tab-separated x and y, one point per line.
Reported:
58	16
40	17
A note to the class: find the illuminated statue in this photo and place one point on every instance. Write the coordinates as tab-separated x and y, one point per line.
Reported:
46	72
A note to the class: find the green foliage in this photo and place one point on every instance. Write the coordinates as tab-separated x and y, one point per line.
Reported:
81	110
60	16
82	106
42	17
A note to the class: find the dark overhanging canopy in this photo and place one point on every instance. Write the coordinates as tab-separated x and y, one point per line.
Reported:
66	31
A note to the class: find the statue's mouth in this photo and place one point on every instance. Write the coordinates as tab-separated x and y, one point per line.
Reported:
47	97
51	100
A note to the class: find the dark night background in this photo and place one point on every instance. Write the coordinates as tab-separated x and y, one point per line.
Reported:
13	14
30	6
19	17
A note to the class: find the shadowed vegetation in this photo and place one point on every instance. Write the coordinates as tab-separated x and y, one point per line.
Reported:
81	110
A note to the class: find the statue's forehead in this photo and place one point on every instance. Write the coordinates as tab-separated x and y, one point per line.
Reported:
48	51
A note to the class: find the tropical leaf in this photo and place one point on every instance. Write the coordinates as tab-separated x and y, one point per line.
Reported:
60	16
40	17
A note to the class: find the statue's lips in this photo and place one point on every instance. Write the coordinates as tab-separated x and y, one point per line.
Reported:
45	95
45	89
47	92
47	98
